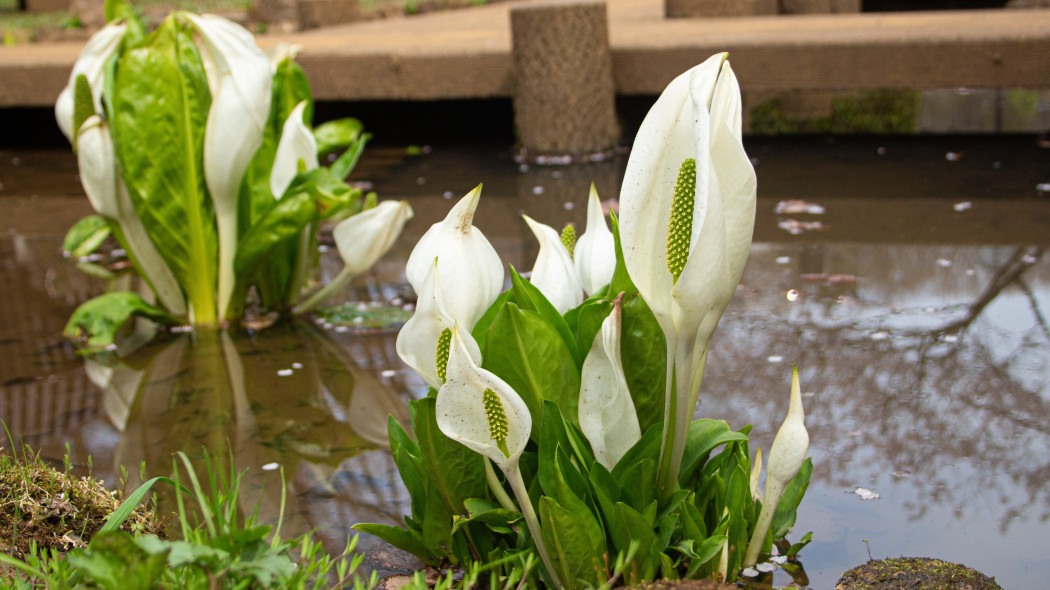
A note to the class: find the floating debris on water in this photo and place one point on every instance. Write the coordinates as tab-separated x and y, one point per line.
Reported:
950	338
297	366
962	206
537	190
792	295
569	205
388	373
765	567
901	474
798	206
783	259
779	559
776	358
796	227
881	151
270	467
749	572
865	494
1043	187
556	174
836	278
944	262
879	335
285	373
953	156
1029	259
447	194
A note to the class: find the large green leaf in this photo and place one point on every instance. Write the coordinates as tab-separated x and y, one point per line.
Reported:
529	354
567	533
704	435
455	472
528	296
401	538
784	517
160	107
96	322
312	196
337	134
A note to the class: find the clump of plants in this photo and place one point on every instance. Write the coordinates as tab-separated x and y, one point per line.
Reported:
197	152
217	548
46	509
559	425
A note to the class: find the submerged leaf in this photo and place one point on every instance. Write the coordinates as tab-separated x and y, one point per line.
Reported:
96	322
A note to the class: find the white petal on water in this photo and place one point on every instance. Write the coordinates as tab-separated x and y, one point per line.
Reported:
284	372
447	194
880	335
765	567
1029	259
749	572
270	467
944	262
776	358
537	190
1043	187
962	206
866	494
950	338
783	259
569	205
297	366
953	156
388	373
779	559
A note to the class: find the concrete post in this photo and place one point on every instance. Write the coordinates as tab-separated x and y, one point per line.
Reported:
708	8
564	99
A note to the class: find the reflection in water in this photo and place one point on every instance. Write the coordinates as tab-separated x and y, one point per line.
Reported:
287	397
924	355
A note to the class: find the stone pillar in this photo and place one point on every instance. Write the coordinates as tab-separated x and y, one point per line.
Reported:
564	98
708	8
819	6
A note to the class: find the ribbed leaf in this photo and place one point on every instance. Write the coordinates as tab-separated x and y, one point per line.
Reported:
160	107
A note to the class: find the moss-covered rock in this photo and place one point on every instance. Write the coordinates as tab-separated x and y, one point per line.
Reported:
914	573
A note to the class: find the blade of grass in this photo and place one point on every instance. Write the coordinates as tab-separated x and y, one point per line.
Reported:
201	499
121	514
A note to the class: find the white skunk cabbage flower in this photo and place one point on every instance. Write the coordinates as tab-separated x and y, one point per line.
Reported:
478	409
607	415
425	341
92	64
296	152
471	271
595	253
786	457
553	273
108	195
240	79
364	238
687	215
282	51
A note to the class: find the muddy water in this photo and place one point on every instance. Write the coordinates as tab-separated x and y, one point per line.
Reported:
915	306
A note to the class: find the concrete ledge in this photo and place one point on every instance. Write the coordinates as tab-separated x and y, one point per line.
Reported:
466	53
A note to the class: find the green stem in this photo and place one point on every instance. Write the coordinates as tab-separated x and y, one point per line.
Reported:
765	519
517	485
325	292
497	487
667	480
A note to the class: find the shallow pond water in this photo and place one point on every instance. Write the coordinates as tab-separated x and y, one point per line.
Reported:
915	306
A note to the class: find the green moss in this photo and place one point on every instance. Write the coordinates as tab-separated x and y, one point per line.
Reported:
914	573
874	111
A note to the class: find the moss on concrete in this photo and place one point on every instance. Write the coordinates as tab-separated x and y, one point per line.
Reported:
914	573
873	111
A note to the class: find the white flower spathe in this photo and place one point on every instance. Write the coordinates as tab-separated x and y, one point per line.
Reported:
595	253
297	145
471	270
554	273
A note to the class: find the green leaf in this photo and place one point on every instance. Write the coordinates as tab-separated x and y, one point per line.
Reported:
405	539
345	164
83	105
160	108
480	331
454	471
638	481
589	320
337	134
86	236
312	196
114	560
571	548
409	463
647	447
96	322
784	517
437	524
529	354
121	514
529	297
121	9
704	436
796	547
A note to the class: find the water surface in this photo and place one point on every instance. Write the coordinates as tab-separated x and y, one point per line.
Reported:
915	306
